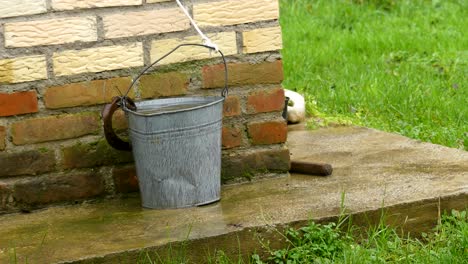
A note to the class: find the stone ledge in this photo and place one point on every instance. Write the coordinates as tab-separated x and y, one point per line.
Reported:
413	179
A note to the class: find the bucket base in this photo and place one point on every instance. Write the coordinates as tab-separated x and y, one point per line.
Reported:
187	206
208	203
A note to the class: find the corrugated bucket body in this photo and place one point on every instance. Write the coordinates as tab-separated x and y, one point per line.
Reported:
177	150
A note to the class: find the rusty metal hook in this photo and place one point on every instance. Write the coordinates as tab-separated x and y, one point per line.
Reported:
107	114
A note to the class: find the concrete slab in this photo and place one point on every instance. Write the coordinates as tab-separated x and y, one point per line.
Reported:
371	167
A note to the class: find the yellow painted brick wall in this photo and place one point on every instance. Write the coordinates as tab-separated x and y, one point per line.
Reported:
62	60
226	41
233	12
144	22
262	39
77	4
15	8
23	69
50	31
98	59
72	43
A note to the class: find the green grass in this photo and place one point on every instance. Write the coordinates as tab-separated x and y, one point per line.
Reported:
394	65
317	243
333	243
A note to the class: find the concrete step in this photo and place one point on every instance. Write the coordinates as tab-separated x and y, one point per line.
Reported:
413	180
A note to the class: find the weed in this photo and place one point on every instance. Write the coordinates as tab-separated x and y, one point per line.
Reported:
310	243
317	243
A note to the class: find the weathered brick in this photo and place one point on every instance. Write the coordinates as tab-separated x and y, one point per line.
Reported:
231	106
9	8
50	31
125	180
44	190
232	136
265	101
266	133
163	84
235	12
157	1
98	59
243	74
226	41
248	164
23	69
144	22
86	93
30	162
262	39
85	155
55	128
73	4
6	196
2	137
18	103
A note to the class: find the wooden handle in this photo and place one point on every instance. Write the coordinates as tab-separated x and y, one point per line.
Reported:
311	168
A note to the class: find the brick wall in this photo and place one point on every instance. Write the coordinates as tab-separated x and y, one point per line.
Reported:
61	60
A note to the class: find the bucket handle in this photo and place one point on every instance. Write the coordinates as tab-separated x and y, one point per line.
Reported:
107	113
127	104
224	92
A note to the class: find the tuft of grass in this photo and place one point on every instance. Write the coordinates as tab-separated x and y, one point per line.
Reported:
399	66
175	253
317	243
312	243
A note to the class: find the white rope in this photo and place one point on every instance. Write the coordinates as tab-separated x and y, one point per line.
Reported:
207	41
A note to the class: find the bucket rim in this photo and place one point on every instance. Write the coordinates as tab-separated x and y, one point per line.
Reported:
212	101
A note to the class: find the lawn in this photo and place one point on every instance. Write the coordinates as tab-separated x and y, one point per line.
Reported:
395	65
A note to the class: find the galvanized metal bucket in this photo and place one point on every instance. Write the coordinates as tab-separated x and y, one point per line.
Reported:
177	152
176	145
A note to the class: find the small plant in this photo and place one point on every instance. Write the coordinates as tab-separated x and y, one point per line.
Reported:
311	243
318	243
